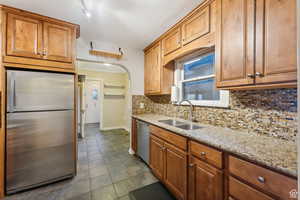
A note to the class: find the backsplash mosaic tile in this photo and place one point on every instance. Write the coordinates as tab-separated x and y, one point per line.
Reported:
269	112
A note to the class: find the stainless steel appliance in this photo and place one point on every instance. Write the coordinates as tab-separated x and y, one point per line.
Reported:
143	140
40	138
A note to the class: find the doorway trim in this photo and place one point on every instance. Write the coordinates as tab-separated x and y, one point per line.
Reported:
129	93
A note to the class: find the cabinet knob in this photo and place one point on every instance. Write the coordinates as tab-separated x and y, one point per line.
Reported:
191	165
261	179
44	52
258	74
203	153
250	75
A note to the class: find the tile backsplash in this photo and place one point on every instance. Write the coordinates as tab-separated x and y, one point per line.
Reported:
271	112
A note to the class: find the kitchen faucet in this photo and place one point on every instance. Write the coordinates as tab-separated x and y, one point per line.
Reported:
191	108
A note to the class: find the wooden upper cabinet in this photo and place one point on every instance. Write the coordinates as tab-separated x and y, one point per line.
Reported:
176	171
38	42
24	36
205	181
147	71
276	49
256	45
213	16
58	42
155	79
196	25
172	41
153	69
235	43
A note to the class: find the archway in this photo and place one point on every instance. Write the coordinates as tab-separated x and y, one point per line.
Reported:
129	90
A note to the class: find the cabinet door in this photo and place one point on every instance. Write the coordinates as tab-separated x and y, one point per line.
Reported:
205	181
147	71
235	43
172	41
276	52
157	158
196	26
213	16
134	135
58	44
155	69
176	171
24	36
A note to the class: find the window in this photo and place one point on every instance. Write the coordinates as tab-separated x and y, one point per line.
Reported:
195	78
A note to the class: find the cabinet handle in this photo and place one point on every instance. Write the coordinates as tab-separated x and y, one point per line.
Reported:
258	74
261	179
250	75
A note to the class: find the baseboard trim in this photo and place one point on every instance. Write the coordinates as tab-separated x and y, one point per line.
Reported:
113	127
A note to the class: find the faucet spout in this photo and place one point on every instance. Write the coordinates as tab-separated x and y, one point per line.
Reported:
191	108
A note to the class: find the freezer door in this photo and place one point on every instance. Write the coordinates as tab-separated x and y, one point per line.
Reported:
39	148
38	91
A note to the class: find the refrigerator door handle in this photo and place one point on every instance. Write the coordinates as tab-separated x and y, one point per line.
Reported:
12	93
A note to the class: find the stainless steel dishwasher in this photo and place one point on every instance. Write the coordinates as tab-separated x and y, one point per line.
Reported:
143	140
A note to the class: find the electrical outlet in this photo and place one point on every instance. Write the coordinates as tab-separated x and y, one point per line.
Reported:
142	105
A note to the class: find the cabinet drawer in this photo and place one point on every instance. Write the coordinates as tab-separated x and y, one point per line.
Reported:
172	138
208	154
263	178
241	191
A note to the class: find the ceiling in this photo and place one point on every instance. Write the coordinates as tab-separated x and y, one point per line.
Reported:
127	23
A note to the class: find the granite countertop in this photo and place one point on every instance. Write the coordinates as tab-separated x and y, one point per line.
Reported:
278	154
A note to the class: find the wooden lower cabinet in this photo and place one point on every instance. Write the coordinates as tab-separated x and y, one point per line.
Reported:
176	171
157	157
205	181
134	135
241	191
206	173
169	164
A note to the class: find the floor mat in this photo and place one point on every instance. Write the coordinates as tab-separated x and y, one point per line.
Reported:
150	192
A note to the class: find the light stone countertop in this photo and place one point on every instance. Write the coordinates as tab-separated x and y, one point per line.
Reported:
278	154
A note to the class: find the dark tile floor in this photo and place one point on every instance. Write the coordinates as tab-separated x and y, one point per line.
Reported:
105	171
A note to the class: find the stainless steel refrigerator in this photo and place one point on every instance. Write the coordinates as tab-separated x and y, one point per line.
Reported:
40	137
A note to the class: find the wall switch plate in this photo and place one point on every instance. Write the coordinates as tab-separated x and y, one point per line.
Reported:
142	105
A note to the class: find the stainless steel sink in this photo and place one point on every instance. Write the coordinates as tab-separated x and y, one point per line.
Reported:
172	122
189	127
179	124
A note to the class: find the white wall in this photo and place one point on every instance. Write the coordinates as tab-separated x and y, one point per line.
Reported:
114	112
133	60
